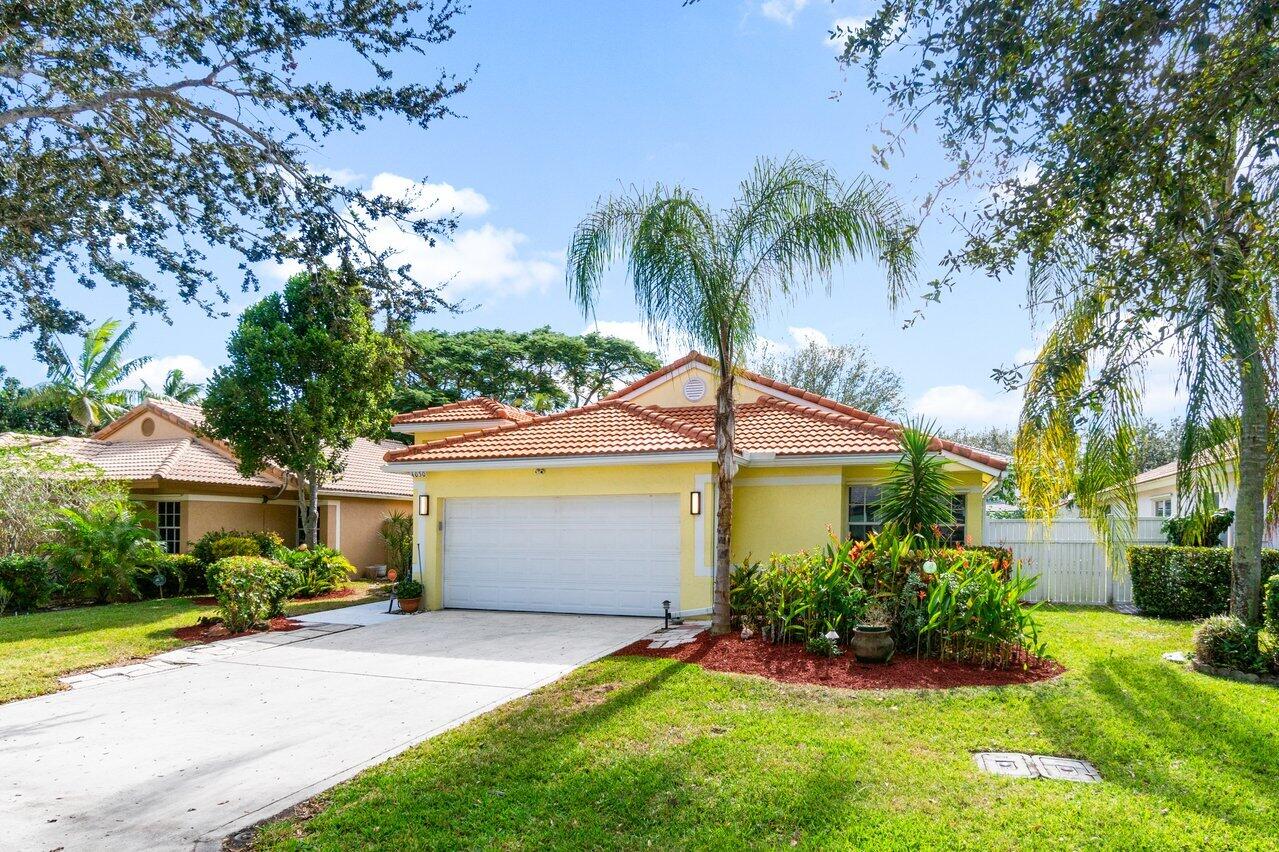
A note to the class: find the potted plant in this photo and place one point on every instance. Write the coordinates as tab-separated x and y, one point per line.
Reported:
872	642
409	593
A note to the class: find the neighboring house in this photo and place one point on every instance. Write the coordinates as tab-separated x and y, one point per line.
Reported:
610	508
192	485
1157	497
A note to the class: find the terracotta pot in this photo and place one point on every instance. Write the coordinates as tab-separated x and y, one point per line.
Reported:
410	604
872	644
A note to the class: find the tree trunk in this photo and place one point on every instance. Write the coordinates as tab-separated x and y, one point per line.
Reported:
1250	511
309	501
725	425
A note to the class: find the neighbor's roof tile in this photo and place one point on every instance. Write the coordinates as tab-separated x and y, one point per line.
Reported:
477	408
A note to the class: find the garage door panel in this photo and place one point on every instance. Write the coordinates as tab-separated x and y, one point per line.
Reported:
615	554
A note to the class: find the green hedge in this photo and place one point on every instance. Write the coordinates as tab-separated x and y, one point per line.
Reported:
27	582
1270	599
250	589
1185	582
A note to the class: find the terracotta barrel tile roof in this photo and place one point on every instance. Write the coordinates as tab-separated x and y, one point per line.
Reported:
599	429
479	408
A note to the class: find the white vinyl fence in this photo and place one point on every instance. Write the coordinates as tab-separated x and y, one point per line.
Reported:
1070	562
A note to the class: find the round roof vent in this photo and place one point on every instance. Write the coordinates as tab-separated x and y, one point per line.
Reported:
694	389
148	427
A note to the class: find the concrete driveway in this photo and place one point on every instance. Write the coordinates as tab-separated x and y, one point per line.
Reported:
199	751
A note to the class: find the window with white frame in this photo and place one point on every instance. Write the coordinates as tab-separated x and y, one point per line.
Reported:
959	508
863	511
1163	507
168	524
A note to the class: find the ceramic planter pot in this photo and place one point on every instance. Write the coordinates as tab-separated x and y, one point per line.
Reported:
411	604
872	644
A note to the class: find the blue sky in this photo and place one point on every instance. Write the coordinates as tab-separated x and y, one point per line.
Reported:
573	100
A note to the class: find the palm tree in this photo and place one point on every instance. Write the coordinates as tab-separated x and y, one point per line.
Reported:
707	276
175	388
88	386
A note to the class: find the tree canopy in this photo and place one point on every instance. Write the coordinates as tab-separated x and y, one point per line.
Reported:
1128	155
135	136
306	374
541	370
847	373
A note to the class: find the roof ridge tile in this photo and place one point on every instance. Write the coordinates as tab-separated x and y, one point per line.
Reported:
451	440
669	421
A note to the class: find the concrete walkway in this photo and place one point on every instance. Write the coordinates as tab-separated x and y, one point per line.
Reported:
200	750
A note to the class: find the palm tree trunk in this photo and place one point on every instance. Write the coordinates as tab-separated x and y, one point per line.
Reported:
725	425
1254	425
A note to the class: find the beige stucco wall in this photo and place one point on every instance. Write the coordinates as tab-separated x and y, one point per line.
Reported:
361	525
669	392
164	429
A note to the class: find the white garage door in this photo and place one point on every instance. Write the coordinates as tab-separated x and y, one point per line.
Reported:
613	555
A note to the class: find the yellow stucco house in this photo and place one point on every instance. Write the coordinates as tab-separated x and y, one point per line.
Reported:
609	508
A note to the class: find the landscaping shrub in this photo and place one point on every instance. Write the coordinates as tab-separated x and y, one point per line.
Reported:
801	596
320	569
1227	642
1180	582
965	606
974	613
265	544
100	552
250	589
408	589
28	583
1196	531
1270	598
397	534
183	575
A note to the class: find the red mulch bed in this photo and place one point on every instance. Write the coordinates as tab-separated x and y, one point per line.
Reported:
792	664
212	631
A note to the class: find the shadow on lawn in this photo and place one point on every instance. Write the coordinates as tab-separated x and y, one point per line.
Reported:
78	621
1163	731
553	771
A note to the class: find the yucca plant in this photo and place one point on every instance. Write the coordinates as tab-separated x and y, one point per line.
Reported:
916	497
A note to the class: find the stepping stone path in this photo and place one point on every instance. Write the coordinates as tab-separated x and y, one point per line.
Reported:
669	637
194	655
1017	765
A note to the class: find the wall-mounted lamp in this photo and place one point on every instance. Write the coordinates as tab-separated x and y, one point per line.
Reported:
424	504
694	502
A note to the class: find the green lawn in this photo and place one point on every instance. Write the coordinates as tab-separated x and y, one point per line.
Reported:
35	649
630	752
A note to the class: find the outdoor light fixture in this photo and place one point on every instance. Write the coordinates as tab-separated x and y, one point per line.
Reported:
666	621
694	502
424	504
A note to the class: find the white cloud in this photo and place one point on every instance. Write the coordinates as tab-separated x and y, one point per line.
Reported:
483	260
783	11
435	198
638	333
154	371
808	336
961	405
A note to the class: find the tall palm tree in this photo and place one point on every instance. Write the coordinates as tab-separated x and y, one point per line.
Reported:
88	386
707	276
175	388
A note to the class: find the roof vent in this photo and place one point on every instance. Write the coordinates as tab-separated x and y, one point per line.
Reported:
148	427
694	389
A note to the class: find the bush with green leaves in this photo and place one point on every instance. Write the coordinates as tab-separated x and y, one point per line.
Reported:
320	569
1185	582
28	582
916	496
206	548
182	573
408	589
798	597
100	552
251	589
975	614
1270	601
1199	529
1227	642
397	534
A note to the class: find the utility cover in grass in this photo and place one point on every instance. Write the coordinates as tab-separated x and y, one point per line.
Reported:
1016	765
